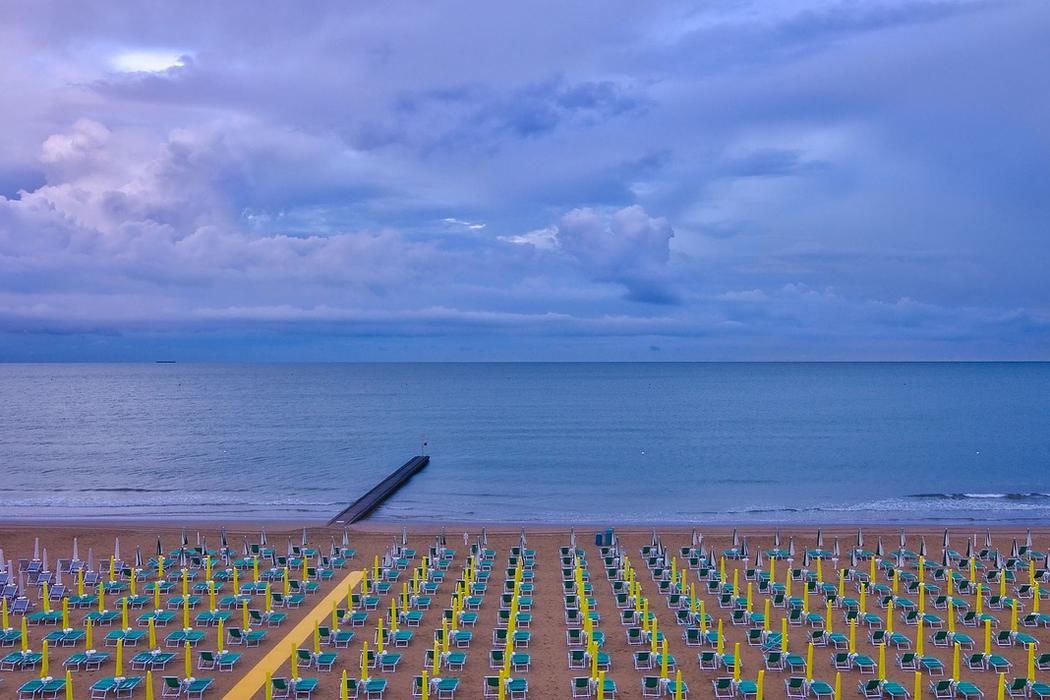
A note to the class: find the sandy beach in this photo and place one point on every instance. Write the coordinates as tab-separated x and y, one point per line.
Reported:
549	676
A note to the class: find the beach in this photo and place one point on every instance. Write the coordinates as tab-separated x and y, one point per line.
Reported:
549	675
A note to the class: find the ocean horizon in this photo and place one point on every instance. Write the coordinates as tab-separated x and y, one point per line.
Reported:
656	442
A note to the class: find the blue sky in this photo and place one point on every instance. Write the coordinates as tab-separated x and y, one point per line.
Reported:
729	180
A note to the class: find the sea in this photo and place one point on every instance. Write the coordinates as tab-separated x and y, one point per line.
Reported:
603	443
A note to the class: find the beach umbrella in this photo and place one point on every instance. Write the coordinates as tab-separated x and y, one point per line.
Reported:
736	538
776	538
45	567
187	656
820	538
835	550
346	537
853	559
922	544
120	658
882	662
262	537
44	661
917	695
809	662
364	662
838	685
88	628
138	558
116	548
955	662
1028	539
185	539
860	538
69	685
946	539
76	551
149	685
969	550
1014	550
1031	663
879	550
737	662
36	549
988	539
289	546
791	546
223	540
25	634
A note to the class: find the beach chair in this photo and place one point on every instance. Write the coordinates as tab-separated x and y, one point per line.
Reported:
967	690
942	689
651	687
197	687
171	688
894	690
821	690
871	690
795	687
581	687
932	665
1017	688
1040	690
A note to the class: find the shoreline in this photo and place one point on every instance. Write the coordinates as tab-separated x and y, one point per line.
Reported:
239	525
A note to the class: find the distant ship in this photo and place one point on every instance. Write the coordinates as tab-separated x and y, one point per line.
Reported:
165	362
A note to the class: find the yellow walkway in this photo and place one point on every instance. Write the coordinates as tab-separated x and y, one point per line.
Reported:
252	683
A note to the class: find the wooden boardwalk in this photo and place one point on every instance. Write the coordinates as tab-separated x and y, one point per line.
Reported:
380	492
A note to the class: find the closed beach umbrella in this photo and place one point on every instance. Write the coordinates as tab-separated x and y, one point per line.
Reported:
187	660
76	551
860	538
955	662
922	544
791	546
879	551
903	539
776	538
820	538
120	658
736	538
44	661
149	685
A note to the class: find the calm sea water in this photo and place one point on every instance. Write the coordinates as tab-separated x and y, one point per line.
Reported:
812	443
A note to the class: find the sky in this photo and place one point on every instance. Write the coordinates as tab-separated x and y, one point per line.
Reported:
723	180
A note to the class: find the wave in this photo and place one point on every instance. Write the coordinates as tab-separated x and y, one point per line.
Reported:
1030	496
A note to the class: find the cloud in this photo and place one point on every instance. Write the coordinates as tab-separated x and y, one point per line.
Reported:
732	177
